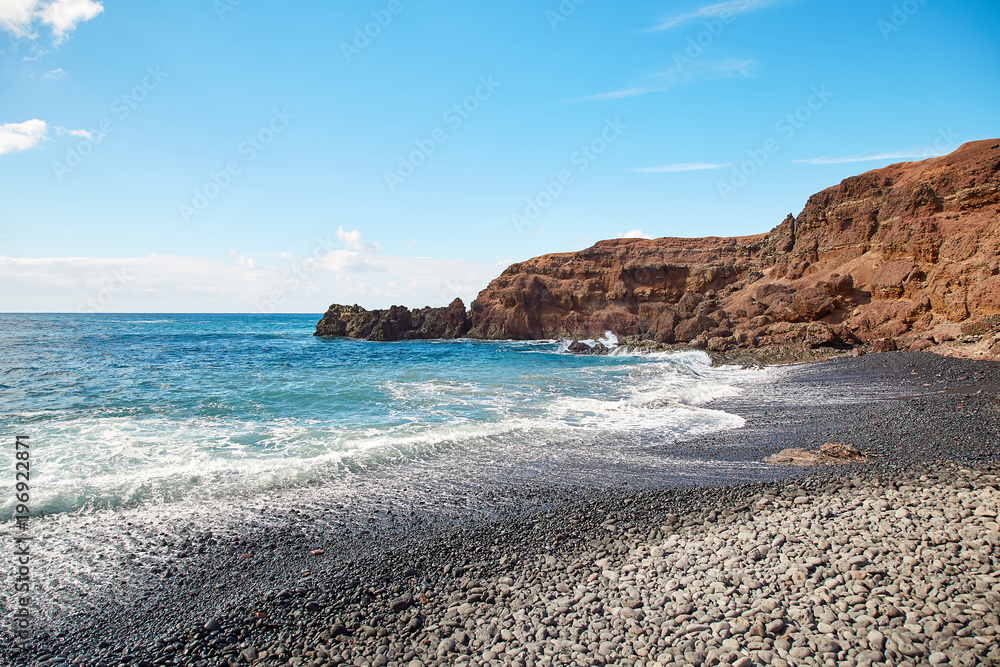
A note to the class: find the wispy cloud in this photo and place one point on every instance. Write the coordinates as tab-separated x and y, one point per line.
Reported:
613	95
681	167
85	134
721	9
731	68
916	154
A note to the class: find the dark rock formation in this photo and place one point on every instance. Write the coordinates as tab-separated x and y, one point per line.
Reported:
579	347
396	323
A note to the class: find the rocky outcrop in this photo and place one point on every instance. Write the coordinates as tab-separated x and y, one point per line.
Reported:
900	258
829	453
396	323
579	347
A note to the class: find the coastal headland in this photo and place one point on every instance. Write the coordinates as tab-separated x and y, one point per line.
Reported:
901	258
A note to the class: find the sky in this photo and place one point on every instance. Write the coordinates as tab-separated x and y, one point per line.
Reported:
264	156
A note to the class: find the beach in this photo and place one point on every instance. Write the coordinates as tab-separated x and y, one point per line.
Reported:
541	569
500	334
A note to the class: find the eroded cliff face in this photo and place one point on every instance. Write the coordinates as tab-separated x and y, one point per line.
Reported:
903	257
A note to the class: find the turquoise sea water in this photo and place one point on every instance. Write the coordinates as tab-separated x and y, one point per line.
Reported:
128	410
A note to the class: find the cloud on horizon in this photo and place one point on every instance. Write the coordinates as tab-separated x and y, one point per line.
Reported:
23	17
283	283
635	234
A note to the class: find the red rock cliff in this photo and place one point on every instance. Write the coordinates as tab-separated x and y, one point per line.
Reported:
901	257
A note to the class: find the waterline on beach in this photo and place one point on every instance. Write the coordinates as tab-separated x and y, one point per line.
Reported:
133	410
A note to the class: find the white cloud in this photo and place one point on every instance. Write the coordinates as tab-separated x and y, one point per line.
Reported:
64	15
635	234
691	72
915	154
85	134
353	241
351	261
721	9
243	261
681	167
21	17
16	16
301	284
17	137
57	73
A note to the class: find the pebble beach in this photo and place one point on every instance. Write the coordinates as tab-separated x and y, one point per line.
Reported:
893	561
876	571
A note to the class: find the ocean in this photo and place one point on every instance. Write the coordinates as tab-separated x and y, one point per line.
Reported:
148	429
131	410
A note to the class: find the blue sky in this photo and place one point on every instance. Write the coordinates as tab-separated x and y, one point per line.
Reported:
225	155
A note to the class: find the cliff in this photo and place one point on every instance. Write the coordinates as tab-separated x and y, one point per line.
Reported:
905	257
898	257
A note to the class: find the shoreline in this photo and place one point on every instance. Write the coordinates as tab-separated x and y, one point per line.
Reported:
264	601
